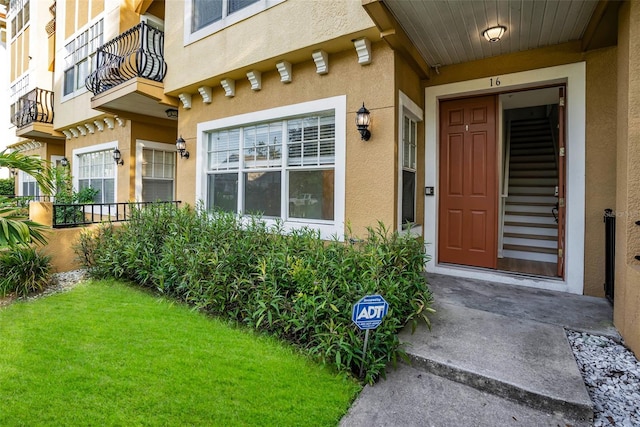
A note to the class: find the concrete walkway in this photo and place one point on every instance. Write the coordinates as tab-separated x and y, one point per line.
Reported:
497	355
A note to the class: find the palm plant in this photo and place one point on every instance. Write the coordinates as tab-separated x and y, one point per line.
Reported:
15	228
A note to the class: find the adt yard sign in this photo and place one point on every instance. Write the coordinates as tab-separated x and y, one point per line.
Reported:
369	311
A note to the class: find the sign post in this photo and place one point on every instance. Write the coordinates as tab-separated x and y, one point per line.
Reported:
367	314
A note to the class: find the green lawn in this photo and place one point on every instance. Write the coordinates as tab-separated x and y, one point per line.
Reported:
108	354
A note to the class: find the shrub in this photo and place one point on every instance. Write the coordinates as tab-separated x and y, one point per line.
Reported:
293	285
7	187
24	271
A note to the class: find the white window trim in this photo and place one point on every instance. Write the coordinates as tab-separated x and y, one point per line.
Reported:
226	21
75	165
328	229
574	76
406	107
62	54
140	145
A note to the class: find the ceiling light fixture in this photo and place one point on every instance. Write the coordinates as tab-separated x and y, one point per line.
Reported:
494	34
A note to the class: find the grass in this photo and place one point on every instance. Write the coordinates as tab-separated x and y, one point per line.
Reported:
108	354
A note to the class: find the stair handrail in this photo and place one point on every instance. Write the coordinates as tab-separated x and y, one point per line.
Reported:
505	187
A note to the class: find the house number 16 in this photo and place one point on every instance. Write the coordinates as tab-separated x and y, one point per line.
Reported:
493	82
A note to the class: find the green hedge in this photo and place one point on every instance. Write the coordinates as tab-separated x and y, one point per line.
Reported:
293	285
7	187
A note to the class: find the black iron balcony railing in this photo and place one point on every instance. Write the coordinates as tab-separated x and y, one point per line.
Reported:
35	106
138	52
75	215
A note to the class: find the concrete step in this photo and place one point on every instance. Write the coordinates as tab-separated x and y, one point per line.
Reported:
548	237
537	181
533	173
509	357
532	166
530	218
531	228
532	158
534	198
538	191
540	150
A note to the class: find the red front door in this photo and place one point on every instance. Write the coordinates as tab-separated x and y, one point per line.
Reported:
468	202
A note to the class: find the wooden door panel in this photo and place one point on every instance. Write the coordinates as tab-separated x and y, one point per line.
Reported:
468	182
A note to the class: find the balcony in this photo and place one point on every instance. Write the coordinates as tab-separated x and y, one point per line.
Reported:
33	116
129	74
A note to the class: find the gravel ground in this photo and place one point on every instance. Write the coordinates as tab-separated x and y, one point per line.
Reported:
612	375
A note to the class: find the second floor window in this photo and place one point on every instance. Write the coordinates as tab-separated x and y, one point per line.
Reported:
79	57
207	12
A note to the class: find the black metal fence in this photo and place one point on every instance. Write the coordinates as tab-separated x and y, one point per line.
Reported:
74	215
138	52
35	106
610	253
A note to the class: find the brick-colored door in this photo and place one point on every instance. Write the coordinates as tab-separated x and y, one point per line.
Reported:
468	201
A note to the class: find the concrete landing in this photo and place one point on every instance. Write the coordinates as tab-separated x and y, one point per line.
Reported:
496	355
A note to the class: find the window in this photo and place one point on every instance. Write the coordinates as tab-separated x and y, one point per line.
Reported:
209	16
28	186
20	15
409	152
280	169
157	175
206	12
97	170
80	57
18	89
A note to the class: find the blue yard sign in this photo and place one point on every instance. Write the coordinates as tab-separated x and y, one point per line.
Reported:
369	311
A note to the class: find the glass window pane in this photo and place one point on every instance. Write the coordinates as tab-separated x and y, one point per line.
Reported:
408	196
222	192
205	12
311	194
236	5
262	193
157	189
69	81
147	163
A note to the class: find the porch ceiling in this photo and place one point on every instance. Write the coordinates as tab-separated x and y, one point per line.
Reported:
450	32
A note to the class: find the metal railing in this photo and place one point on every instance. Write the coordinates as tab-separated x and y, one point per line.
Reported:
138	52
66	215
609	253
35	106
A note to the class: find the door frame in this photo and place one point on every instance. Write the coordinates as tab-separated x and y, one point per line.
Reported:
574	77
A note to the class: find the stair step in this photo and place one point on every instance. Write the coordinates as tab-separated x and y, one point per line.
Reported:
533	199
531	137
516	190
534	245
541	214
535	181
529	224
527	173
532	166
532	229
532	256
533	158
517	150
520	248
531	236
530	217
529	208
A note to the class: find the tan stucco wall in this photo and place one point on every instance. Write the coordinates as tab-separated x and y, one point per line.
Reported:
600	162
311	25
370	166
627	279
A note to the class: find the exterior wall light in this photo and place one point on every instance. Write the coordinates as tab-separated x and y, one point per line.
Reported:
494	34
117	157
13	172
64	162
181	146
172	113
363	119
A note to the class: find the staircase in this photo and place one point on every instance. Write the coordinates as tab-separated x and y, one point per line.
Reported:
530	230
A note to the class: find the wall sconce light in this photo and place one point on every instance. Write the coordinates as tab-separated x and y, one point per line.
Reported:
363	119
181	146
494	34
172	113
117	157
64	162
13	172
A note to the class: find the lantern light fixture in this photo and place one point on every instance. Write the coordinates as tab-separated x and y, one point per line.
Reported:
494	34
363	120
117	157
64	162
181	146
172	113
